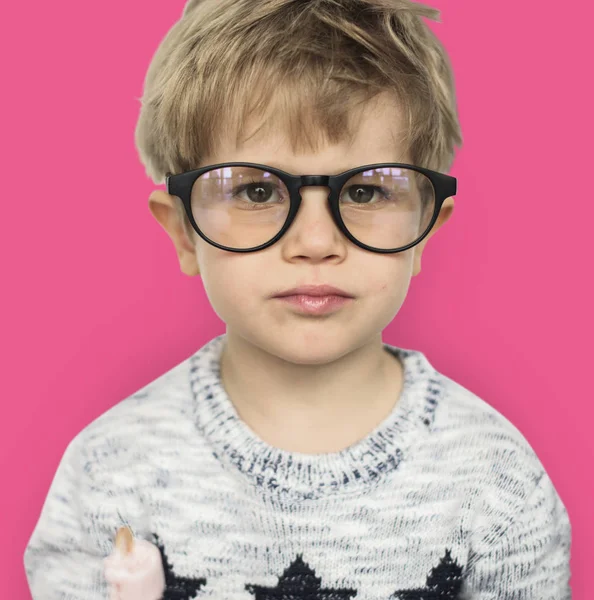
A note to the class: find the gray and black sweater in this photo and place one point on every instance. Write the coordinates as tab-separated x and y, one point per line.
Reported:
445	499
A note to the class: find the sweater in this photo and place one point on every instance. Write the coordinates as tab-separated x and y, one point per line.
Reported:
444	499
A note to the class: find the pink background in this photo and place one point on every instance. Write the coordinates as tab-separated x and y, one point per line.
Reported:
95	305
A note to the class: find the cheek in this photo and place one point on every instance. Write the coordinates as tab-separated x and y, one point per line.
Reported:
229	283
388	277
386	291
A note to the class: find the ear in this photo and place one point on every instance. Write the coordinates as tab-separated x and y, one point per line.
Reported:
445	213
168	211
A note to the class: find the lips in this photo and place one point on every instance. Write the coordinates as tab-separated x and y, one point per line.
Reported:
306	304
315	291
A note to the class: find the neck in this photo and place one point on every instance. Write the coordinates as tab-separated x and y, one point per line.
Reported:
311	408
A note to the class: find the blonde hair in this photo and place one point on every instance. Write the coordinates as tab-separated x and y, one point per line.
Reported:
305	65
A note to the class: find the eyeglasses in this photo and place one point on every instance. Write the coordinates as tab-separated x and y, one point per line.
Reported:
246	207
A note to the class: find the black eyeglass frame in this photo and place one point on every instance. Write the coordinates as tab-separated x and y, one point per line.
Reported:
180	185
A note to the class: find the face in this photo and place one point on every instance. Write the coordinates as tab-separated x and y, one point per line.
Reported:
240	286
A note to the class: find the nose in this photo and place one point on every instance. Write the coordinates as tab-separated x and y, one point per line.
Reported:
314	235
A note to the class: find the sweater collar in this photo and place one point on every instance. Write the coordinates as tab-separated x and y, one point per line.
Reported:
297	476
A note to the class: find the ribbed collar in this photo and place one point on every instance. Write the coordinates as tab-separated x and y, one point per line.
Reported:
297	476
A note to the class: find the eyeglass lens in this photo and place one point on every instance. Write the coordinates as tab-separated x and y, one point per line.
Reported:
244	207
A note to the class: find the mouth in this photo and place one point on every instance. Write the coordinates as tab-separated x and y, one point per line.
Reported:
314	291
315	300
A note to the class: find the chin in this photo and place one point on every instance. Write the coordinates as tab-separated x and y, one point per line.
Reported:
310	348
307	358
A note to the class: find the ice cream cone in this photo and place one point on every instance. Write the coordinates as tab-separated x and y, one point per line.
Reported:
124	540
134	569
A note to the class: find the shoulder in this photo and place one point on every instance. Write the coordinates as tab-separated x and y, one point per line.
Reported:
503	481
137	445
464	413
481	445
140	424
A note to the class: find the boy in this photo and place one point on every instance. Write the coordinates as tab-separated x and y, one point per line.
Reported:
304	145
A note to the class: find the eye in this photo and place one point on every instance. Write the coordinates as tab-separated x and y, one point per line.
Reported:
365	194
258	192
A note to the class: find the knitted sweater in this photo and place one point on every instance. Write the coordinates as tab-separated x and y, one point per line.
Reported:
445	499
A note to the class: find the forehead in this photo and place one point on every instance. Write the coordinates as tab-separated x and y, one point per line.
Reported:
375	136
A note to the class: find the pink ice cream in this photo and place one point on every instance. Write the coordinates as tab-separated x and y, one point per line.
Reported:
134	569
